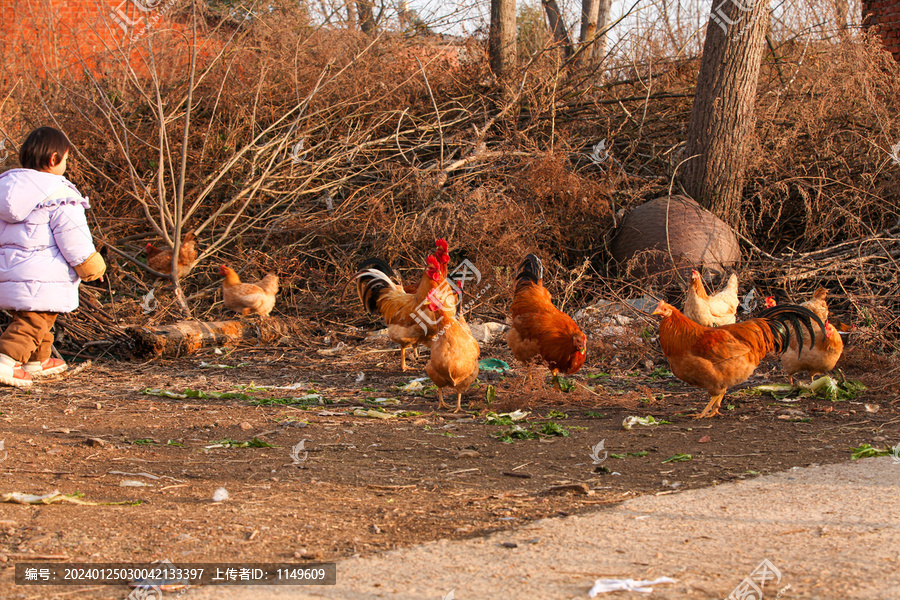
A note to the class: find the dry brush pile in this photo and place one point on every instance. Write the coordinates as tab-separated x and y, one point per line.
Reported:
309	150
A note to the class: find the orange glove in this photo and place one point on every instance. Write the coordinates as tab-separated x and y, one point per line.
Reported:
93	268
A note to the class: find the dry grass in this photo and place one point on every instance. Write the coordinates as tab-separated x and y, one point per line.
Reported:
497	171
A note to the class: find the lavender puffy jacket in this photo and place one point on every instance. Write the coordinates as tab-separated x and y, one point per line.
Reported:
43	234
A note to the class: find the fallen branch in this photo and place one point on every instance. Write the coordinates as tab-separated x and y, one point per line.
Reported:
188	337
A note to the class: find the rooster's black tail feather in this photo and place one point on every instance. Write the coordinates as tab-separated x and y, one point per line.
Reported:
531	271
787	318
369	285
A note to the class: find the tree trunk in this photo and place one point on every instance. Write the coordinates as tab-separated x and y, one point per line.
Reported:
841	12
351	16
594	18
722	116
599	49
366	14
557	26
502	37
589	12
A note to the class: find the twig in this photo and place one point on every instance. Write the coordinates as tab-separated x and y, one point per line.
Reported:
755	248
29	556
437	113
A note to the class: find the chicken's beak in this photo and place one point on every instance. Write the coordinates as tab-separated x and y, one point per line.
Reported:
657	310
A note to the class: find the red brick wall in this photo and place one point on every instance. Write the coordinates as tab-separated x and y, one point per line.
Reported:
885	15
45	37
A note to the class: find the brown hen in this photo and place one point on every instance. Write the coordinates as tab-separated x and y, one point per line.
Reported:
161	260
246	298
454	356
825	350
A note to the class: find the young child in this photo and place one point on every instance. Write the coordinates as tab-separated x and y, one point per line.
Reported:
45	250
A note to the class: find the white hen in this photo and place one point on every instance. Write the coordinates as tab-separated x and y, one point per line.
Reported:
715	310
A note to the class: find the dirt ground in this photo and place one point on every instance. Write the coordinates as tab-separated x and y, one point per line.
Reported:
360	484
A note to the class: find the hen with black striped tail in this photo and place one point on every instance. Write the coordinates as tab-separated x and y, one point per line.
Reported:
717	358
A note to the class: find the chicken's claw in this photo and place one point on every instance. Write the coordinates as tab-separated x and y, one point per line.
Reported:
712	409
440	395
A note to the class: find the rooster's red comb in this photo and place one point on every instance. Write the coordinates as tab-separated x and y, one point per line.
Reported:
442	245
433	270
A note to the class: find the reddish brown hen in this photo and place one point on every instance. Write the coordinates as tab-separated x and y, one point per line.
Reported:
539	329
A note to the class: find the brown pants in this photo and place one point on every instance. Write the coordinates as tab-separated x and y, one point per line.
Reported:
28	337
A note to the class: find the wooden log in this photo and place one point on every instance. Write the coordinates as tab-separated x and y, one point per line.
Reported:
188	337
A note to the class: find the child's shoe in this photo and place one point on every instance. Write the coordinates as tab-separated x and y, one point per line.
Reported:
11	373
51	366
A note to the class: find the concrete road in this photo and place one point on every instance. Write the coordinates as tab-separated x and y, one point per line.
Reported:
831	532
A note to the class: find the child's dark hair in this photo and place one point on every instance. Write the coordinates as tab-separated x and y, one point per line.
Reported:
37	150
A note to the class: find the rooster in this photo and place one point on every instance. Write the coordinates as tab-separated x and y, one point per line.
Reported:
408	311
246	298
709	311
826	347
161	260
717	358
538	328
454	355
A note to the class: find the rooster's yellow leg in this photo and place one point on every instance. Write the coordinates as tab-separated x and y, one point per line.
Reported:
555	373
458	402
403	358
712	409
441	399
